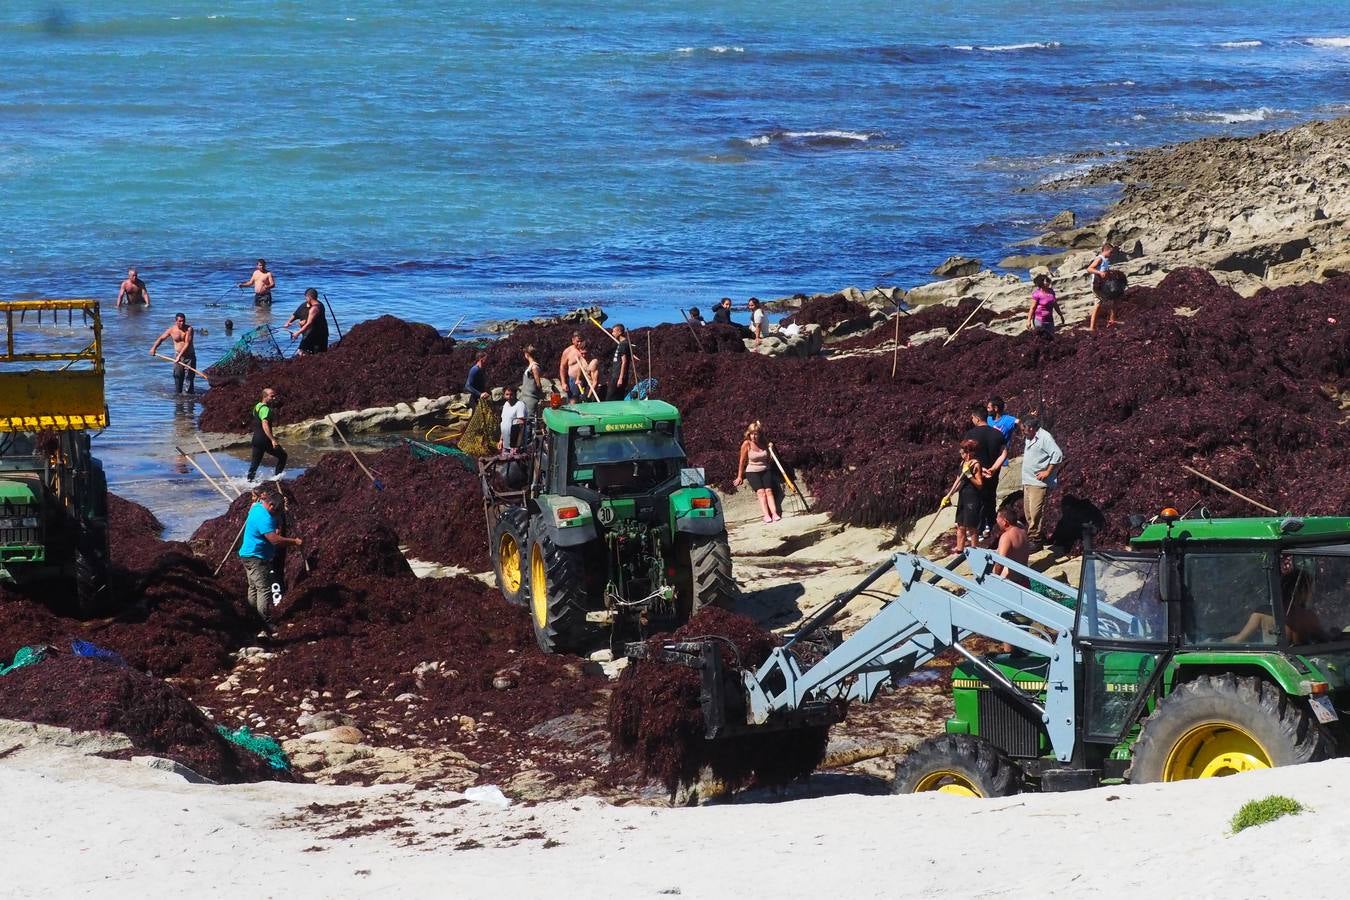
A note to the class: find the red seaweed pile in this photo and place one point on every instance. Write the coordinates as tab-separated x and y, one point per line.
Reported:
86	694
829	311
656	720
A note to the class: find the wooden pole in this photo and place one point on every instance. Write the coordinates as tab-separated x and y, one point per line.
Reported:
234	543
170	359
379	485
451	333
209	479
328	305
697	340
782	471
953	335
597	324
895	357
209	455
1221	485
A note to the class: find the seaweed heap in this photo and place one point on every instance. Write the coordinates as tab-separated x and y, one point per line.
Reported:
827	312
86	694
656	720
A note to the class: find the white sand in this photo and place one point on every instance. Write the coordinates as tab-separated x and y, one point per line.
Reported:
77	826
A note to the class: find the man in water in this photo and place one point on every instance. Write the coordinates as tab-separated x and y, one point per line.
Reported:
184	354
258	547
313	333
264	439
133	291
262	282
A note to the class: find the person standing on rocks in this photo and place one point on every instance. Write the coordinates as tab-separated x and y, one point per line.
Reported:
476	382
184	356
262	282
969	491
1044	305
313	333
1100	267
264	439
620	365
583	376
991	452
1000	419
1041	462
569	356
754	467
1012	543
258	547
531	383
133	291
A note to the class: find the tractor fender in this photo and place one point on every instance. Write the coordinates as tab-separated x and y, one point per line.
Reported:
696	510
568	520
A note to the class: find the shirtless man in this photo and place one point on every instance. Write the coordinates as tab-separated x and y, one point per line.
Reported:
569	356
584	373
185	355
1012	543
133	291
262	283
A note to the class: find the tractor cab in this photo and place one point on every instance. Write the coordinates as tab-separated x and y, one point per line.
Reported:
614	448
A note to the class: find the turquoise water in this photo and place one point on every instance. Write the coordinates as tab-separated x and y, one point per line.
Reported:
440	159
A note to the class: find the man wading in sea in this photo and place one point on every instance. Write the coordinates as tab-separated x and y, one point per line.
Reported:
262	283
184	356
133	291
264	439
313	333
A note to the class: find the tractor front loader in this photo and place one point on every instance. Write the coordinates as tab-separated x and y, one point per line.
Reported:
1218	649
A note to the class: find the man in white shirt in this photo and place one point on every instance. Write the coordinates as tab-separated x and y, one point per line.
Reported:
513	420
1041	461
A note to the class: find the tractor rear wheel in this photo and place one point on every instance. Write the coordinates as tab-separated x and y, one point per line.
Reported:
1221	725
510	538
557	592
704	566
958	764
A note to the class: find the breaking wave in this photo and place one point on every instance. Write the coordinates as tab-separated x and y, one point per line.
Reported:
1260	114
1008	48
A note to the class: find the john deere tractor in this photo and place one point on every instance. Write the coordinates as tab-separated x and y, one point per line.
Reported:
600	528
1213	647
53	494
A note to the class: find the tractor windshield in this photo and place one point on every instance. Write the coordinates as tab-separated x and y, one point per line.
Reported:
626	462
1315	594
626	446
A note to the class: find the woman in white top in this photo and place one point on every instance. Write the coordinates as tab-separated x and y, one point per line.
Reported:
531	383
756	319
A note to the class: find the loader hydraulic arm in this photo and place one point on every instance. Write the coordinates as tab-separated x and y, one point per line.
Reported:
927	617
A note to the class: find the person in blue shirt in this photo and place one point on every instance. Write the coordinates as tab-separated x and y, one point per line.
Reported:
257	549
999	419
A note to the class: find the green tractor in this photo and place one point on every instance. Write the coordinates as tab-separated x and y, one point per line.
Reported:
601	529
53	493
1213	647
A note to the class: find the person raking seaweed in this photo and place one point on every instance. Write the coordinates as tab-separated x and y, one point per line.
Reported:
258	549
185	355
313	330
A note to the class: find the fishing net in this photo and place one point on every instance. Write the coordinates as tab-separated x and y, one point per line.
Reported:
254	349
25	657
265	747
482	432
423	450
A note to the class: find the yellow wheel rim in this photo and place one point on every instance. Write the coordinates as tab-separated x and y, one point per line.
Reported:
508	557
944	781
538	588
1214	750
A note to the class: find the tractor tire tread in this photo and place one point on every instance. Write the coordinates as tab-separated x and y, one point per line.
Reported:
987	767
517	519
565	583
711	578
1290	732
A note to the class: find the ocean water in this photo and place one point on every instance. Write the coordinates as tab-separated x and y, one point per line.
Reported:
447	159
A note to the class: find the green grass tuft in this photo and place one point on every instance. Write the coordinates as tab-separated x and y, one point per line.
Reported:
1267	809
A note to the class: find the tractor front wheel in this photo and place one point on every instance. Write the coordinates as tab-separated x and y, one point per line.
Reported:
1221	725
509	542
704	567
958	764
557	593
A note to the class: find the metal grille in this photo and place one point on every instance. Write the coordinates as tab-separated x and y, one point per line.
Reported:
1007	727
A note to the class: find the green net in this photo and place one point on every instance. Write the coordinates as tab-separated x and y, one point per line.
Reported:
426	450
25	657
1069	600
258	745
254	349
483	431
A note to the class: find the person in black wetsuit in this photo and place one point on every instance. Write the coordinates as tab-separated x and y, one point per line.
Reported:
313	333
264	439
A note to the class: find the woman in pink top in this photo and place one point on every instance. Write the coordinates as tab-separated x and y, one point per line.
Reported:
1041	315
754	467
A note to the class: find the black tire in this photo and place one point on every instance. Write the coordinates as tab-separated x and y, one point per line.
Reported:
1205	728
704	566
510	544
960	764
557	592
